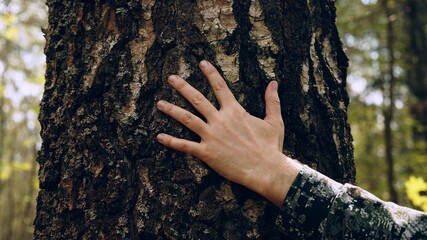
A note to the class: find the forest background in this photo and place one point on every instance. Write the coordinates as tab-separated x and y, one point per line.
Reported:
385	40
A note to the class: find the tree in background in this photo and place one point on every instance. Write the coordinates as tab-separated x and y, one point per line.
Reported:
368	35
102	173
21	79
416	77
374	34
388	83
416	64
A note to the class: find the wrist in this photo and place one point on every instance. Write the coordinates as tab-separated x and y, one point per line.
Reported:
278	179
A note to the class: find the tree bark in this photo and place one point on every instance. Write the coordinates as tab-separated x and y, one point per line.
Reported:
102	173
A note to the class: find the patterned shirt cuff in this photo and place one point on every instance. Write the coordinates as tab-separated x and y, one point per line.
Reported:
307	204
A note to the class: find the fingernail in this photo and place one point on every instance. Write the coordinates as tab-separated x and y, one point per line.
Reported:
160	137
274	85
172	78
161	104
204	63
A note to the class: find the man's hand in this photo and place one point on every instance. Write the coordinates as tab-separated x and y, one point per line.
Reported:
239	146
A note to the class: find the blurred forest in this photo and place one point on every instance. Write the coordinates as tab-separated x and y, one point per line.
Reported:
21	87
386	41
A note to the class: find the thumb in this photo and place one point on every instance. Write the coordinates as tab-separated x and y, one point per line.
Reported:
272	103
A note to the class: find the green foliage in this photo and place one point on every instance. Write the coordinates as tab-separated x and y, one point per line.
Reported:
362	26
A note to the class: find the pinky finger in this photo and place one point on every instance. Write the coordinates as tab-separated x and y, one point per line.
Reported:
179	144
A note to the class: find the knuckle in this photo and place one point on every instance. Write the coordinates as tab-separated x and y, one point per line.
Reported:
275	99
239	110
188	118
236	111
198	99
219	85
235	108
168	107
186	148
181	85
201	154
210	70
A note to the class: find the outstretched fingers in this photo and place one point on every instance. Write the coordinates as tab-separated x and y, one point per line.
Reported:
197	99
185	117
182	145
272	104
221	90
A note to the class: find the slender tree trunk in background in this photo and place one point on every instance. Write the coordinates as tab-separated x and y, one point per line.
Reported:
29	205
369	150
388	106
102	173
3	113
2	130
416	70
2	120
11	206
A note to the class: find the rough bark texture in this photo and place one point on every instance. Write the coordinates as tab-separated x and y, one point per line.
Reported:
104	176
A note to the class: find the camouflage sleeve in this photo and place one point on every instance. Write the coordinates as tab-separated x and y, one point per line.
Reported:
317	207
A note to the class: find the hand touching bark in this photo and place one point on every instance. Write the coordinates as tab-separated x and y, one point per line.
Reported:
239	146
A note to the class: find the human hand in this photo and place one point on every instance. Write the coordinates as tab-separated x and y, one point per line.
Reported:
237	145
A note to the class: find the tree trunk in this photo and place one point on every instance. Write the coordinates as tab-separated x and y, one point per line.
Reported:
102	173
389	81
416	69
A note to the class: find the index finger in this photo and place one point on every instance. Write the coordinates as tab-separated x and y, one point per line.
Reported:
196	99
221	90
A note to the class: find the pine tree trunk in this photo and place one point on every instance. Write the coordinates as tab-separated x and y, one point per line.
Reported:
102	173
